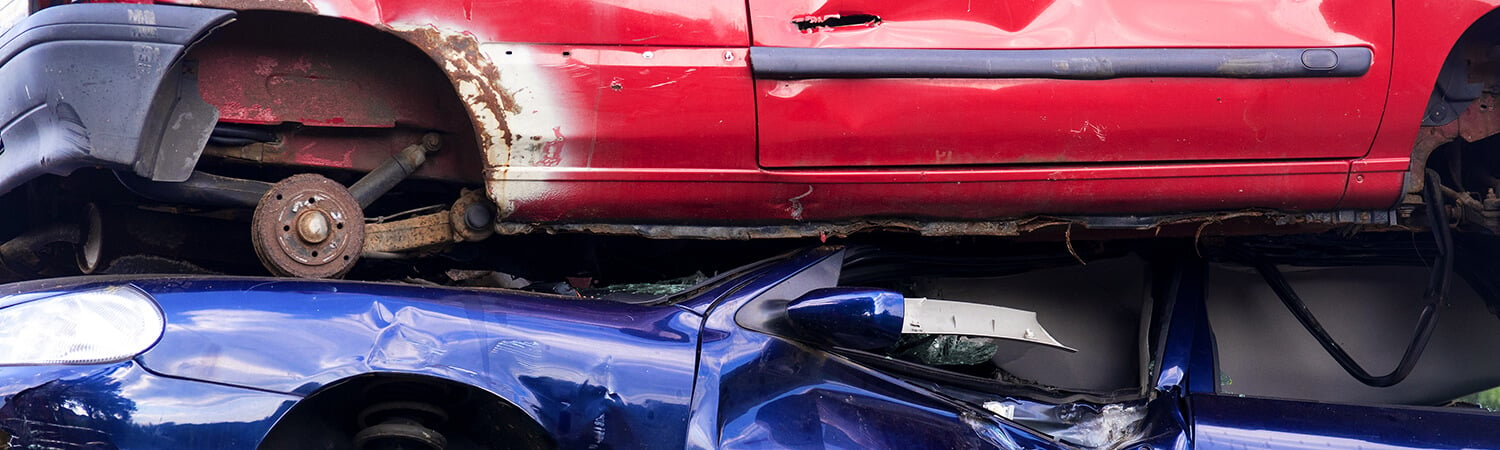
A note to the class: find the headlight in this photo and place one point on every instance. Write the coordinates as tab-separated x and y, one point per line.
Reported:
89	327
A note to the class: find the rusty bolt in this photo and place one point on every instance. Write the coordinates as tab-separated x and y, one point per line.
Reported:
431	141
314	226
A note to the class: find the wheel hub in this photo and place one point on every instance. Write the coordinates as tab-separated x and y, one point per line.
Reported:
308	226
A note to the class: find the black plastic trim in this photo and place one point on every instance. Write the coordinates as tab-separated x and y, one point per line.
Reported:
1070	64
103	85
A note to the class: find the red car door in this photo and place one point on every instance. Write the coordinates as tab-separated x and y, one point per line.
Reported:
856	83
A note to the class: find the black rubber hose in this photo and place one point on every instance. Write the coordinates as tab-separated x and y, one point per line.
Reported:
201	189
228	130
1437	290
229	141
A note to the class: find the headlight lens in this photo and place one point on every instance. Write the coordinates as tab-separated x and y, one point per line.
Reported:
89	327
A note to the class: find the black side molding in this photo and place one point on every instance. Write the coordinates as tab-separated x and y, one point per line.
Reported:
1068	64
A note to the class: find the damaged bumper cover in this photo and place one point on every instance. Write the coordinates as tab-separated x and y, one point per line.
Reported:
103	85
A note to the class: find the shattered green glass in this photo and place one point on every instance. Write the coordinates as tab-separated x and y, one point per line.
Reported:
945	350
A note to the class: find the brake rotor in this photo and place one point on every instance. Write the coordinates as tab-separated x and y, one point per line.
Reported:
308	226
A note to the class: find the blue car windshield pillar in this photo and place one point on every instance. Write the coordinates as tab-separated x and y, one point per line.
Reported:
1187	354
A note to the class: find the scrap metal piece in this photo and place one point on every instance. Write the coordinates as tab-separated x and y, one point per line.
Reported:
308	226
932	316
422	231
470	219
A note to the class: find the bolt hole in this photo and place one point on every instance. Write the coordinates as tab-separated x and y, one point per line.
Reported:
339	225
278	196
315	253
346	257
507	52
311	200
286	228
567	53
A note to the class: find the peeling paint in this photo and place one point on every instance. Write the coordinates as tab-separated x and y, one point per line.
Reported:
473	75
1090	127
796	204
552	149
509	101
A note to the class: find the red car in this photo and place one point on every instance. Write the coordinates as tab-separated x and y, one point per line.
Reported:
739	119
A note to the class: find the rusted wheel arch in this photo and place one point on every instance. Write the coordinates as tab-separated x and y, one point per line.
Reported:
1481	118
429	66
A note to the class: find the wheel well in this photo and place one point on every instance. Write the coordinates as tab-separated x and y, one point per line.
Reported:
338	94
476	419
1462	108
1456	139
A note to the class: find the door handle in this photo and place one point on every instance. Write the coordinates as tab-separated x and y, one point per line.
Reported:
811	24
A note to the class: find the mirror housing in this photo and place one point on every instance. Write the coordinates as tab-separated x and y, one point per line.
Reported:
857	318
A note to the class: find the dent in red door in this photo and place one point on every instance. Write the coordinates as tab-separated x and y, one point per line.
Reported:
905	122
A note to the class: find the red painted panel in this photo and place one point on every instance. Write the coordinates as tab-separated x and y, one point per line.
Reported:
641	130
919	122
631	107
1425	32
759	196
780	202
1373	190
636	22
910	176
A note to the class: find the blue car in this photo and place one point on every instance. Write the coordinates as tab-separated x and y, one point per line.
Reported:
1167	345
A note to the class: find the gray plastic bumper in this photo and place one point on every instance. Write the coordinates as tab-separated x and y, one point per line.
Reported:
103	85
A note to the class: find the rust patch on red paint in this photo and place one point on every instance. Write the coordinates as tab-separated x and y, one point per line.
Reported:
476	81
1479	121
552	150
473	76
